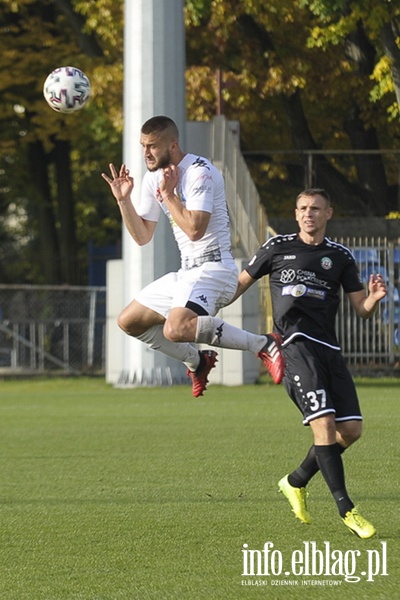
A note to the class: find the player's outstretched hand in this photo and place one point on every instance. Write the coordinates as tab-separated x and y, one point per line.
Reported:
377	287
121	183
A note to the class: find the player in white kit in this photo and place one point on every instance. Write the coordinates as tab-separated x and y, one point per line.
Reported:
179	308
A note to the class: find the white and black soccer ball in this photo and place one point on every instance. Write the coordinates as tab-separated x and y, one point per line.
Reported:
66	89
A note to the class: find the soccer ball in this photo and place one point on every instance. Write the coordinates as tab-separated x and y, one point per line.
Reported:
66	89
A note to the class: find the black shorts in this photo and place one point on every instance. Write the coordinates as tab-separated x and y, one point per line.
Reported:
318	381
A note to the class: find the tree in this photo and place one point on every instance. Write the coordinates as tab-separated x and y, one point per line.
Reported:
318	76
303	77
49	162
379	21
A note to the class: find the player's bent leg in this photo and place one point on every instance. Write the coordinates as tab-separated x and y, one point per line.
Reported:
348	432
184	352
217	332
146	325
136	318
180	325
324	430
297	498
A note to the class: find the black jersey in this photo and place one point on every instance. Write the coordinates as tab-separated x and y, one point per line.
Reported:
305	281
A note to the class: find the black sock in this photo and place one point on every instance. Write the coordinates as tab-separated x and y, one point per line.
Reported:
302	475
308	468
331	466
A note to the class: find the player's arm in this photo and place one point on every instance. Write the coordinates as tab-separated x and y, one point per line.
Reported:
121	186
244	282
140	229
192	222
366	305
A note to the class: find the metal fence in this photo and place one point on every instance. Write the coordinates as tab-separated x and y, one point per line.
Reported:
52	328
308	168
47	329
374	343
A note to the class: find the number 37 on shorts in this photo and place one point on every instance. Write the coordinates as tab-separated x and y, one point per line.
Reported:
316	400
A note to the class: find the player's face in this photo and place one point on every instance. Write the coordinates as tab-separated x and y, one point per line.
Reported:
156	151
312	214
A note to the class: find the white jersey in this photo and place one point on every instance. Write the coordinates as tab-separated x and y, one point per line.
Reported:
200	187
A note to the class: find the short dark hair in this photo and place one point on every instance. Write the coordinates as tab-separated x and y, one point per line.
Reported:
160	124
314	192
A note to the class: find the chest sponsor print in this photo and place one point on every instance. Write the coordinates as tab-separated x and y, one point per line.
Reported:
302	290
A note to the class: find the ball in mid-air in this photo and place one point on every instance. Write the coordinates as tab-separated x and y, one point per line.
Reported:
66	89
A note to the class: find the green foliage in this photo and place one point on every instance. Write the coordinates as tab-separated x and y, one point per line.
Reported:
325	8
197	11
339	19
37	37
301	76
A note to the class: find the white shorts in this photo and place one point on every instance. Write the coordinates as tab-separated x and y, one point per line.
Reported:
210	286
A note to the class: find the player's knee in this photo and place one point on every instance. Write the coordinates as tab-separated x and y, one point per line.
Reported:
354	436
350	434
179	328
123	323
127	325
172	331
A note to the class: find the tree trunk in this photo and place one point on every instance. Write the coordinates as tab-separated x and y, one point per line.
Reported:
324	175
370	170
44	214
66	214
389	33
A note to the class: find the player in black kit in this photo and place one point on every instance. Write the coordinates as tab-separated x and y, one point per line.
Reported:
306	272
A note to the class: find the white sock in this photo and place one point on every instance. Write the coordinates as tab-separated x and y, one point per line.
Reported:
183	351
216	332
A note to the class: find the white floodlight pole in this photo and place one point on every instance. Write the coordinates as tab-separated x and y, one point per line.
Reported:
154	84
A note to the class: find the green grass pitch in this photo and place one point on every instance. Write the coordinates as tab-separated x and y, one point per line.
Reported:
136	494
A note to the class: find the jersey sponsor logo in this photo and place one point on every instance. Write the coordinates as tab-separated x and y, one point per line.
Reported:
310	277
202	188
203	179
294	290
320	294
288	275
326	263
200	162
302	290
298	290
287	290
